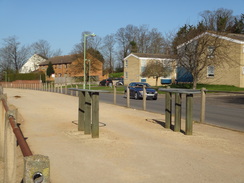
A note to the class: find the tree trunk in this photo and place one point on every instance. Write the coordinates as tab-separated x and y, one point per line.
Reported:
194	83
156	81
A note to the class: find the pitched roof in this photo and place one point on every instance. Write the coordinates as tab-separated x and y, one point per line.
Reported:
66	59
41	56
239	37
152	56
236	38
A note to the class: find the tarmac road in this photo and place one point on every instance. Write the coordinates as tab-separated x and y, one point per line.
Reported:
224	110
133	147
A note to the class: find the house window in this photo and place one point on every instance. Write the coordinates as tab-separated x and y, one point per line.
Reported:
143	65
126	75
126	63
211	50
210	71
143	80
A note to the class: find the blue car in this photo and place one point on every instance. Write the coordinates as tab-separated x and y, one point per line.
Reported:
136	91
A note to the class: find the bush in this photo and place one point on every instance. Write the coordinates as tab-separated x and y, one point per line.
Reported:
27	76
116	75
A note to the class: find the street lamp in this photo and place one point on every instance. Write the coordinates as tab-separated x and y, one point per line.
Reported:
86	35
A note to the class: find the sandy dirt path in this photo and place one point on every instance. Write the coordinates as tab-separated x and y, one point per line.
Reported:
132	147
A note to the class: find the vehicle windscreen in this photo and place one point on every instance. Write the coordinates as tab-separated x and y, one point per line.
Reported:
141	85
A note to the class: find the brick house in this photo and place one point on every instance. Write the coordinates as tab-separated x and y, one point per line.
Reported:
135	63
225	71
67	66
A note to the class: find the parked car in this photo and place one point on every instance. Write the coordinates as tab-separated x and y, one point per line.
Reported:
136	91
120	82
106	82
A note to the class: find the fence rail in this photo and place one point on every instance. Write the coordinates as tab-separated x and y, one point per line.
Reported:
36	167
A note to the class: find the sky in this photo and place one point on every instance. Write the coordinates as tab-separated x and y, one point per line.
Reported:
61	22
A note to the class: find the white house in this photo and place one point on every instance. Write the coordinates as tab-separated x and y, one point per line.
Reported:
32	63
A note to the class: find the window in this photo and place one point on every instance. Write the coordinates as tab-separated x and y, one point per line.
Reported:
143	80
126	63
210	71
211	50
143	65
126	75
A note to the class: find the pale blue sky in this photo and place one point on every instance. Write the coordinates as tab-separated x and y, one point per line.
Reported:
61	22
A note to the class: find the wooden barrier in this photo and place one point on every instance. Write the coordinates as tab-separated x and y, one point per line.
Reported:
178	103
88	112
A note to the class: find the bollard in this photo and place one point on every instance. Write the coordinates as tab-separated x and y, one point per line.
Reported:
115	92
36	169
203	105
128	96
76	91
144	98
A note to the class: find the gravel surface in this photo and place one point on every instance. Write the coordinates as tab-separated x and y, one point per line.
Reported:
133	146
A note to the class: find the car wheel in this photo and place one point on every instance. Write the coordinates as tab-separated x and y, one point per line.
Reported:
155	98
136	96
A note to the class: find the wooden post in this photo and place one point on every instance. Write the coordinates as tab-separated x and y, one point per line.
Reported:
2	127
9	152
66	90
76	91
144	98
115	92
81	112
177	126
168	109
189	107
203	105
128	96
95	115
87	127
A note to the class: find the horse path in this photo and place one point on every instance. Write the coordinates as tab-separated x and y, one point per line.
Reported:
132	147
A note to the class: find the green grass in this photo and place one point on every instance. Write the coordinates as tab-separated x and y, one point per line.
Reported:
120	89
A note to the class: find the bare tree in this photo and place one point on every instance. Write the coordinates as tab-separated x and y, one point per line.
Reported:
43	48
156	42
108	51
204	50
143	39
157	68
124	36
218	20
12	55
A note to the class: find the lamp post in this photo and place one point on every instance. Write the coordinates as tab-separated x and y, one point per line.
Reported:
85	36
89	74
